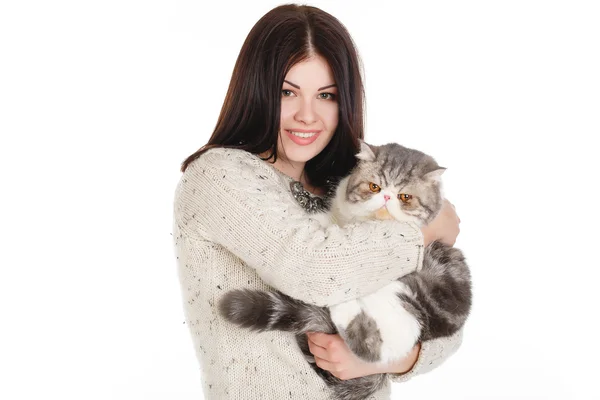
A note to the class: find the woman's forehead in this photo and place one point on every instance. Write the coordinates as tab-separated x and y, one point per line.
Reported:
312	74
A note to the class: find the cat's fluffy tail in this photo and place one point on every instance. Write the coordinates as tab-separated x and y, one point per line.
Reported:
274	311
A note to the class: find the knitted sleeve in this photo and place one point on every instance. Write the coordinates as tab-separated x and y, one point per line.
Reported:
433	353
236	200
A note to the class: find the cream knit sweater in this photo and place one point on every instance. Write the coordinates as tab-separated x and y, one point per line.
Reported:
236	225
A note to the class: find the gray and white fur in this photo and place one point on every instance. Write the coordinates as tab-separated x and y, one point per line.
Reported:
385	325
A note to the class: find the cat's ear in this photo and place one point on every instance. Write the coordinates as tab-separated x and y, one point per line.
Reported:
366	152
435	175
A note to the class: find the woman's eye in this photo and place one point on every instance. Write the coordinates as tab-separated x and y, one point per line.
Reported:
374	187
404	197
327	96
287	93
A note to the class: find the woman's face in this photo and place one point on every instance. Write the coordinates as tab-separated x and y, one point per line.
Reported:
309	110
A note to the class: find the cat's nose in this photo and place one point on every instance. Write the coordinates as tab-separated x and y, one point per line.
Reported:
386	197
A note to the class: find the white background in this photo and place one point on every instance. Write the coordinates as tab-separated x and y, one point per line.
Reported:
100	102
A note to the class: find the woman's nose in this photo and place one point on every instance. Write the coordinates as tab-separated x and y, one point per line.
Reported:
306	113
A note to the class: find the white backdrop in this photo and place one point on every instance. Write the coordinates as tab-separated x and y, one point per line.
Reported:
101	101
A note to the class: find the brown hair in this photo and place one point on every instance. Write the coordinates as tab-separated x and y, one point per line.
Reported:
250	116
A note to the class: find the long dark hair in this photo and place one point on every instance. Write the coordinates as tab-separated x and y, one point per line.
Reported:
250	116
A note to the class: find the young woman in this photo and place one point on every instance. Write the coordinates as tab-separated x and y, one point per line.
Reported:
293	113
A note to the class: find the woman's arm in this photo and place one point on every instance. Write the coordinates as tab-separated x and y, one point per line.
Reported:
432	354
332	354
444	227
236	200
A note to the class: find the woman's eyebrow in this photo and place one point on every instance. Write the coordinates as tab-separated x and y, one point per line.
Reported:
328	86
298	87
293	84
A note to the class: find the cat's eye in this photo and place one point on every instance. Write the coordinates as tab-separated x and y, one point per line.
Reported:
374	187
404	197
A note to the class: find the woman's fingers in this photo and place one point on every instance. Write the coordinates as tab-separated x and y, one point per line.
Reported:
316	343
320	338
330	347
326	365
454	208
317	350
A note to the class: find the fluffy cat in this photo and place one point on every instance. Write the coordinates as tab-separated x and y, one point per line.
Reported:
389	181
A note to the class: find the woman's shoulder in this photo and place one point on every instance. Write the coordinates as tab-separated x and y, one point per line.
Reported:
240	162
235	180
236	169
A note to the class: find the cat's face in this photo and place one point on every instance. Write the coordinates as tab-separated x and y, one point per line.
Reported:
404	182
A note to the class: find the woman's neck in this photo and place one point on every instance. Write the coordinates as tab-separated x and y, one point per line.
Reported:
295	170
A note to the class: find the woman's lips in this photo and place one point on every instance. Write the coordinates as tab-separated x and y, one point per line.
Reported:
303	141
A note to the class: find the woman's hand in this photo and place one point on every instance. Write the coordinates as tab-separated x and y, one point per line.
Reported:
444	227
332	354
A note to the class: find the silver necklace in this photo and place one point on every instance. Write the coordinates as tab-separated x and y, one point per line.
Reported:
310	202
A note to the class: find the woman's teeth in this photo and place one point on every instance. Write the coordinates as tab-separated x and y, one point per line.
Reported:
303	135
